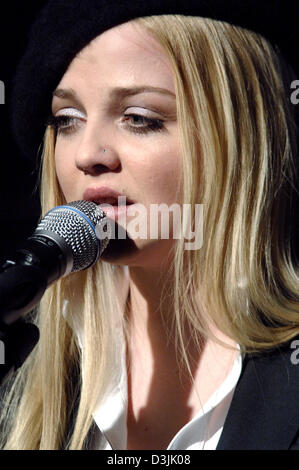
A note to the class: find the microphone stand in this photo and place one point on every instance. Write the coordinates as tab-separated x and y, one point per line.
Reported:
16	344
22	285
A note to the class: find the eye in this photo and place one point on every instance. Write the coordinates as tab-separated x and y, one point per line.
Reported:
62	124
67	124
66	121
140	124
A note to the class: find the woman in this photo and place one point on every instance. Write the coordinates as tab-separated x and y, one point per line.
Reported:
157	346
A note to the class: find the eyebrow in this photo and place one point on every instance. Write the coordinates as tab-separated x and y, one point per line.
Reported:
118	92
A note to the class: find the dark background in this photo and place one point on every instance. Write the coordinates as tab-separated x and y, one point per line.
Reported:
19	201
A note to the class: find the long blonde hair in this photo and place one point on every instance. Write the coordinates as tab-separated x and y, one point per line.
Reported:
238	148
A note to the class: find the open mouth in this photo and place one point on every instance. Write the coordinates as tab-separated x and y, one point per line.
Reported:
115	202
120	201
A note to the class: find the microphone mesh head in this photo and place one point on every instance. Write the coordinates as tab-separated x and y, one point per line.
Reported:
75	223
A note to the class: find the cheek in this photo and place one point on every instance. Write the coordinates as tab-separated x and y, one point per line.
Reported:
159	175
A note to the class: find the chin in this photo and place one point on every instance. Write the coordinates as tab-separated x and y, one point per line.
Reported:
152	254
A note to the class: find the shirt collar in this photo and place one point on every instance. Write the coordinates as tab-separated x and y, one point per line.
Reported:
203	431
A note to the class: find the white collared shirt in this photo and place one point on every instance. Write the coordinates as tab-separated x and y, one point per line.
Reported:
202	432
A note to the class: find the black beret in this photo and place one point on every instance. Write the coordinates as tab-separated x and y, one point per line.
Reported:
64	27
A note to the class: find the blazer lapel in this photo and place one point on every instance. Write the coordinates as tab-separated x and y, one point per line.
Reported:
264	413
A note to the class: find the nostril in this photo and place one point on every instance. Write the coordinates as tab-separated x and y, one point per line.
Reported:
94	169
100	168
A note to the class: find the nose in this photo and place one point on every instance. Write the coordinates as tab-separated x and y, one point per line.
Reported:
95	155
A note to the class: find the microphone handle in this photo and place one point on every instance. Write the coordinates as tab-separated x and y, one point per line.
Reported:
21	288
25	276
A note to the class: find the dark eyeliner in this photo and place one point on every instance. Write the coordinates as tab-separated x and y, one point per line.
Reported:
61	124
153	125
66	124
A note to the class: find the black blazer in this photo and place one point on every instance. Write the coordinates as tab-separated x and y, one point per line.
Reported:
264	412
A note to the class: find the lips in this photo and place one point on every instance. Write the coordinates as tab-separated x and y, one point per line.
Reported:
105	195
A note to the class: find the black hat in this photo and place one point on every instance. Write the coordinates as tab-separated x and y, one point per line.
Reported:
66	26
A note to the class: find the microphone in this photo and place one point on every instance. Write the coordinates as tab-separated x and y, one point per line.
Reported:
65	241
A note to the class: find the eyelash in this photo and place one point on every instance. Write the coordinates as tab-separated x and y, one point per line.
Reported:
65	125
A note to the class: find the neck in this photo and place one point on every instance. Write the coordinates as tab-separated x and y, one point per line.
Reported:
151	310
151	314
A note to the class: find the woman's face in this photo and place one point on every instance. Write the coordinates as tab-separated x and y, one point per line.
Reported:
115	111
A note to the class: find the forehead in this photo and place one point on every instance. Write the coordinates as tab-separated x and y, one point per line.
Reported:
125	54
